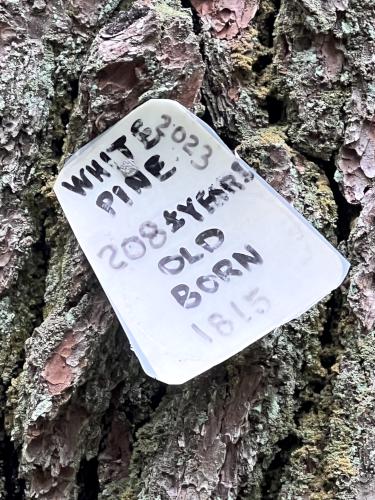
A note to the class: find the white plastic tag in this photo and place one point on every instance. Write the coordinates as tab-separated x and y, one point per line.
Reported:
198	255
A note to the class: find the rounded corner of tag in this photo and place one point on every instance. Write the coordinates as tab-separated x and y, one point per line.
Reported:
173	378
176	373
339	275
345	267
165	104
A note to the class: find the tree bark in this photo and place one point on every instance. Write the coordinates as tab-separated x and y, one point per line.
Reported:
291	87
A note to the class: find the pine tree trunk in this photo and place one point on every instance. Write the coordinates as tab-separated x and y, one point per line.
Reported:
291	87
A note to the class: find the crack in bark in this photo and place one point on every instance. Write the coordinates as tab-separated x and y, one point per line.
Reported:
14	486
346	212
276	109
271	485
87	479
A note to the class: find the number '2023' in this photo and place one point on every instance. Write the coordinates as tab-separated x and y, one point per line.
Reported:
179	135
